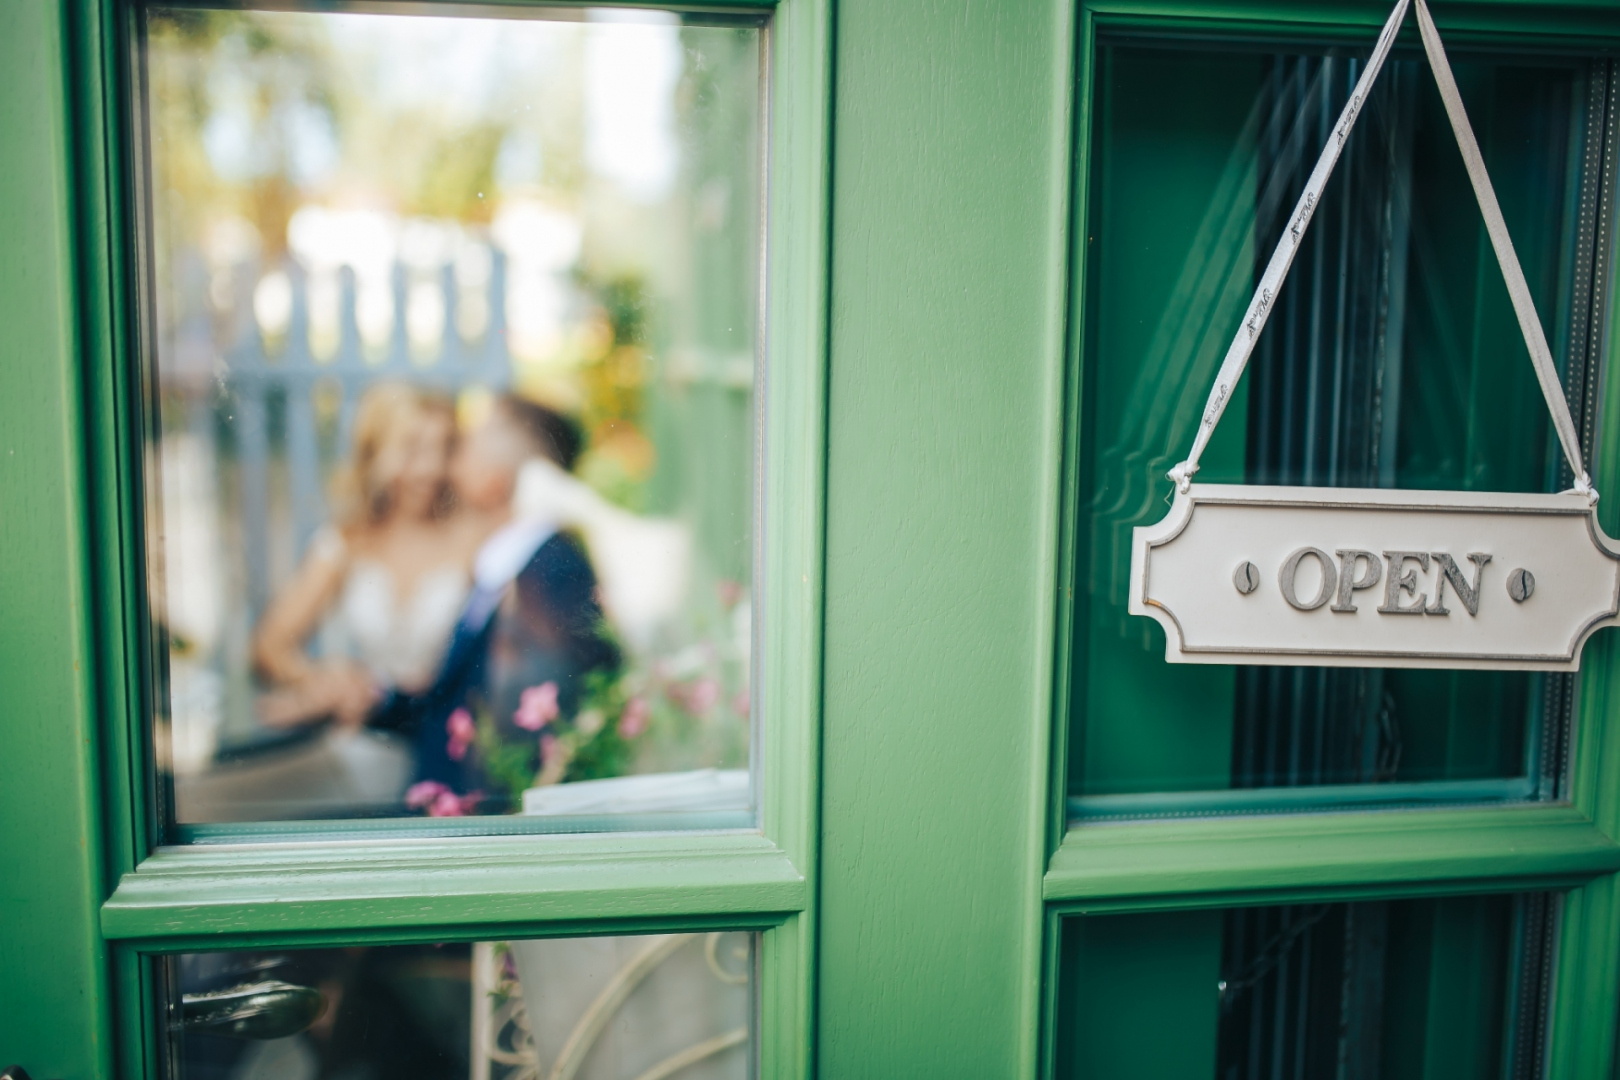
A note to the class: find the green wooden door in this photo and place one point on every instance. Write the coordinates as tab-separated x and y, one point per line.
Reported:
996	835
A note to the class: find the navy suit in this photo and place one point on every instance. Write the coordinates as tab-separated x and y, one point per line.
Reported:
548	626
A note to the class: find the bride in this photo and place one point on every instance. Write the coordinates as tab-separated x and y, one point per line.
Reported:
384	585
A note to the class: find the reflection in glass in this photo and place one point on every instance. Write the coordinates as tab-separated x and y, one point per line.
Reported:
1380	990
1392	359
597	1008
451	366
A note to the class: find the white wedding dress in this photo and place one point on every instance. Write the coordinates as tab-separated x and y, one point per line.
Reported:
401	640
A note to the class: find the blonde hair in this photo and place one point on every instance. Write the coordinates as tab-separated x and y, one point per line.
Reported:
386	409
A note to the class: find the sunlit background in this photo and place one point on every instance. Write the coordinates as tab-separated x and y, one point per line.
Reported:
565	208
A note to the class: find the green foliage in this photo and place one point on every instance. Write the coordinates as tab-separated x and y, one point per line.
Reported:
614	379
507	765
597	749
624	299
587	746
458	177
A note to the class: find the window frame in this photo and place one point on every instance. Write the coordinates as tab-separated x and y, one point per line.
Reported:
1334	854
884	896
160	900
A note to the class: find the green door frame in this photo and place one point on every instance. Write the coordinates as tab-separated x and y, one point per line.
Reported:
1200	864
913	860
95	896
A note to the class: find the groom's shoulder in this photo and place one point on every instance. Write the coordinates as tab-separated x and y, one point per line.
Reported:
560	561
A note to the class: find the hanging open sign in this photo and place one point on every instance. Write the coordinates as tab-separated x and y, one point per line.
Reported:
1356	578
1240	574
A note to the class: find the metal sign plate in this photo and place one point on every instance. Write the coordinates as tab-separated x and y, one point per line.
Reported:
1344	577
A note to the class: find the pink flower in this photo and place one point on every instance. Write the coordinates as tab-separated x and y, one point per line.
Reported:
440	801
462	733
633	720
424	793
730	593
448	804
537	707
740	702
697	697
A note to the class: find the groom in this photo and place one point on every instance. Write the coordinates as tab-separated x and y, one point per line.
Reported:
532	616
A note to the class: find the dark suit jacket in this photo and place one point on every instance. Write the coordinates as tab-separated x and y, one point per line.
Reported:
548	626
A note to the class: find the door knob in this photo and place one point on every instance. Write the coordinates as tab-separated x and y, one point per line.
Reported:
14	1072
261	1010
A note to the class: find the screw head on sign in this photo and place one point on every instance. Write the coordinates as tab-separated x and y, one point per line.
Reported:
1246	577
1521	585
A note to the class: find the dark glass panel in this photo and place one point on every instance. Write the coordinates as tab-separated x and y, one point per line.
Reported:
1381	990
595	1008
1392	359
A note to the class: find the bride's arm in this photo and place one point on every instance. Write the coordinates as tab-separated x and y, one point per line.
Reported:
294	613
306	690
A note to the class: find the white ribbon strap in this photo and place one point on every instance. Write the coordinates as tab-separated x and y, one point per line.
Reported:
1237	357
1282	258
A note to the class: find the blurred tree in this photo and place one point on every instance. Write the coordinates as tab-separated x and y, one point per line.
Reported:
458	178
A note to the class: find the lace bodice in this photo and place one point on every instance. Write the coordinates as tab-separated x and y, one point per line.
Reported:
402	640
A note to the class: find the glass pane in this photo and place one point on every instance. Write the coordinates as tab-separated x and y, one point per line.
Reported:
1381	990
1392	359
594	1008
450	366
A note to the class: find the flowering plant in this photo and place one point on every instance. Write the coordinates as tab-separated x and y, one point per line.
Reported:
595	743
439	801
687	708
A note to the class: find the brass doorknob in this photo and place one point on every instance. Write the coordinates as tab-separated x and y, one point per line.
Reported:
270	1009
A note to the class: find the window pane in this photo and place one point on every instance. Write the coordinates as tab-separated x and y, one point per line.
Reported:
451	365
596	1008
1392	359
1452	987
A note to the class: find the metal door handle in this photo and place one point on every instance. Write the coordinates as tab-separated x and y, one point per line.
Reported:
270	1009
14	1072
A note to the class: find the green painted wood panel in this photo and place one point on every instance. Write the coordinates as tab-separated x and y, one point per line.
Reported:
54	1004
946	310
1285	857
731	880
950	130
448	886
1583	1039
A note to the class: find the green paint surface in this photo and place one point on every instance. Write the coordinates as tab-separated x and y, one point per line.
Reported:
945	318
53	974
901	928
